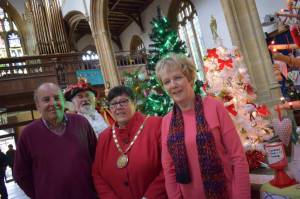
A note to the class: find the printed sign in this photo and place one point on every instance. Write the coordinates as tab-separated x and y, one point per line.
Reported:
275	153
94	76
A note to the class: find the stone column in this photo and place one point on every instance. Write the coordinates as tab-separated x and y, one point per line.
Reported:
100	32
107	58
246	33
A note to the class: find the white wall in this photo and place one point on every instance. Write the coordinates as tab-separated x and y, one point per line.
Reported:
115	46
204	8
19	5
78	5
85	41
265	7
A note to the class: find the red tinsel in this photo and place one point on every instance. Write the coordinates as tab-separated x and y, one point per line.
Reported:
254	158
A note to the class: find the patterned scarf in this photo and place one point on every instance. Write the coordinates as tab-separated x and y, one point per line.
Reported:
211	167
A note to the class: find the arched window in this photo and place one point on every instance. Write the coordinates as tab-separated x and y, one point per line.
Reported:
10	42
137	45
90	55
189	31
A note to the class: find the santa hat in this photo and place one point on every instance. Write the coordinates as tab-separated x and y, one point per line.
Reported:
74	89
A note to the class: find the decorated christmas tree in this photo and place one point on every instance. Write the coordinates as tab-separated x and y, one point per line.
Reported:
229	80
165	40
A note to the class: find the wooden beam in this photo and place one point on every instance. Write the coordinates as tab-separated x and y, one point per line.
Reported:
115	4
137	20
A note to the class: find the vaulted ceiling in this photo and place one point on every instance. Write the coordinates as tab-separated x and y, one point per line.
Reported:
120	14
123	12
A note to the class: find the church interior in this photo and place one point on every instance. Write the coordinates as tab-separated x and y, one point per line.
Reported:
103	40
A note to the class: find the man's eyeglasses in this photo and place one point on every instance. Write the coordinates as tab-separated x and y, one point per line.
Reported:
122	103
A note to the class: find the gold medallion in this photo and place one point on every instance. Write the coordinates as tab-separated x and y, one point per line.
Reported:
122	161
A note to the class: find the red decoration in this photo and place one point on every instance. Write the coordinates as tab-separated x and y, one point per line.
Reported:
224	63
249	89
231	109
212	53
205	69
277	161
263	110
205	87
295	32
255	158
227	98
82	83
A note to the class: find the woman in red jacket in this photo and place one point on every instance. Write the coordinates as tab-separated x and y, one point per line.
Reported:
128	155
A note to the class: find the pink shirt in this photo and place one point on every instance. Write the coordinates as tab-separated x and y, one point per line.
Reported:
228	146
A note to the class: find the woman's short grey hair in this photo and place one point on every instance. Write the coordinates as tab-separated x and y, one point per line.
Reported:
176	61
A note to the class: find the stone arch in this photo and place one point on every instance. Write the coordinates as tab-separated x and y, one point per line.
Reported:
101	35
173	12
74	19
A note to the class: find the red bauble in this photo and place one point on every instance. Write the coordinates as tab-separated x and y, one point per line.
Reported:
254	158
295	32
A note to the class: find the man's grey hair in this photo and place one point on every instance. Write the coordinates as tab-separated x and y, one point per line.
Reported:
35	94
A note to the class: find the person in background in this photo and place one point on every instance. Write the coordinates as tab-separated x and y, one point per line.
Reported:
10	154
3	165
55	153
83	98
128	155
202	155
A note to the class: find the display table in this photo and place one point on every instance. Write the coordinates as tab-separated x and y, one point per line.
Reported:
260	179
267	191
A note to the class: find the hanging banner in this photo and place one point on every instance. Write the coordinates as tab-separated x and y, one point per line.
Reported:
94	76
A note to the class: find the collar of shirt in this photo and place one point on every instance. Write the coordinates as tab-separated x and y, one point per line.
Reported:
59	130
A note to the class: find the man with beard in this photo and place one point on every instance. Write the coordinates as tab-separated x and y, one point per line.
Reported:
83	98
55	153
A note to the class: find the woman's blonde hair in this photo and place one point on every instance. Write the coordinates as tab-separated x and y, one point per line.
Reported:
176	61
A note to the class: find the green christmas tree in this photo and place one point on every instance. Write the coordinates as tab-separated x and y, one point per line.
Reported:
150	96
165	40
151	99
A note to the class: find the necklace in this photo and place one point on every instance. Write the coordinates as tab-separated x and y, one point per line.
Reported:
123	159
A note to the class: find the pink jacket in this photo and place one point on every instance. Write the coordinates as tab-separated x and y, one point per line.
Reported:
228	146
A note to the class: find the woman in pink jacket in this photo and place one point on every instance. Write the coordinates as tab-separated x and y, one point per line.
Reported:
202	155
